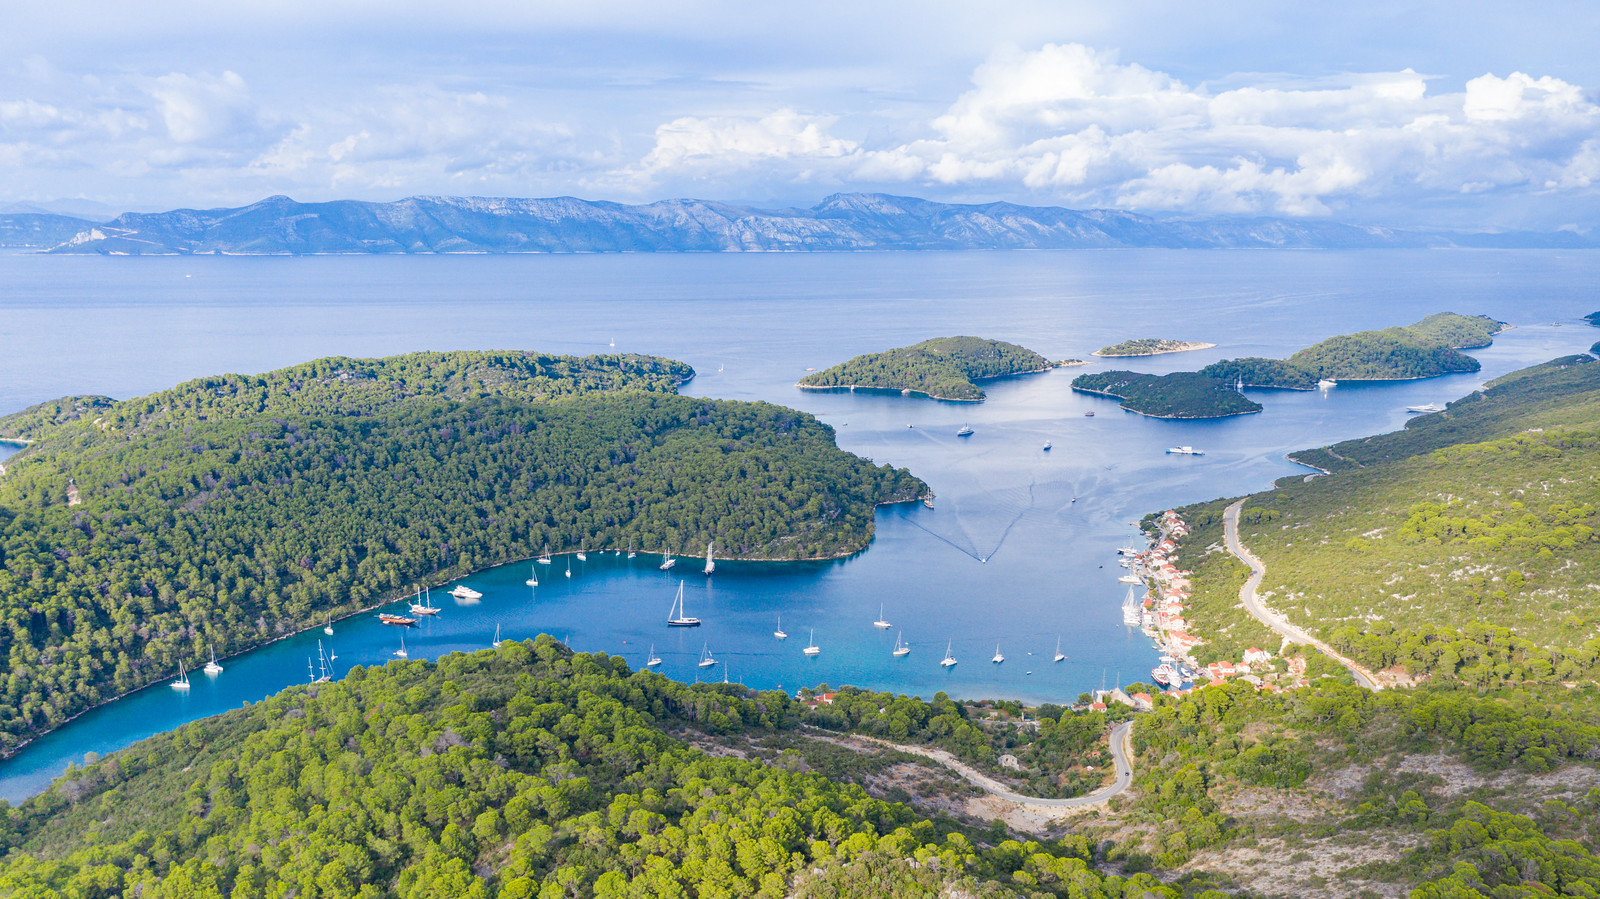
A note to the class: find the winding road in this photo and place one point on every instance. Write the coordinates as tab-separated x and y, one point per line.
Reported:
1253	605
1121	757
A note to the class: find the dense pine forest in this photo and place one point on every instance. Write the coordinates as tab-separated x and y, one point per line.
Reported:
231	510
944	368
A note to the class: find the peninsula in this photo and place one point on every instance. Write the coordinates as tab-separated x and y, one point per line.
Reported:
250	506
1150	346
945	368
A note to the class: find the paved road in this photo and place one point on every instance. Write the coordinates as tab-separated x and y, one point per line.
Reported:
1253	604
1121	756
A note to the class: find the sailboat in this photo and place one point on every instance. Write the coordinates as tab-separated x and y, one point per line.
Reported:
426	607
720	368
1059	655
613	341
949	660
813	649
582	557
496	643
966	431
881	623
311	671
401	652
900	648
667	561
212	668
998	658
533	576
779	632
706	661
675	615
569	568
1131	610
322	666
631	553
711	565
328	628
652	660
545	558
182	683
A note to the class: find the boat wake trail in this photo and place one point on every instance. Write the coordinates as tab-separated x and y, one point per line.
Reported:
1011	524
962	549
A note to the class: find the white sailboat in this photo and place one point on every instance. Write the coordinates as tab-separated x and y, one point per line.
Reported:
900	648
1131	610
212	668
881	622
667	561
711	564
676	616
779	633
328	628
949	660
1059	655
813	649
324	675
652	660
496	643
401	652
582	557
533	576
545	558
182	683
569	568
426	607
998	658
706	661
966	431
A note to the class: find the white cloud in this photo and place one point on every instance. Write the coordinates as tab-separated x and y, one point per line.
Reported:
785	134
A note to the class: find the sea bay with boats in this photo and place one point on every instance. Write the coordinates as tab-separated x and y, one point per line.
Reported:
1015	567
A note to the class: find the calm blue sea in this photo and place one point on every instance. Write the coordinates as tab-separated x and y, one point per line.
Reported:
1048	523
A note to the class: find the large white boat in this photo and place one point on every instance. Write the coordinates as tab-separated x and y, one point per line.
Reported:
324	675
582	557
667	561
462	591
881	622
1129	579
711	564
182	683
966	431
949	660
426	607
1325	383
1185	451
813	648
212	668
675	615
1132	610
900	648
1425	410
1166	675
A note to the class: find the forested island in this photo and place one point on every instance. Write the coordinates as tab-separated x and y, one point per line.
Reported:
1151	346
945	368
1426	349
1183	394
234	509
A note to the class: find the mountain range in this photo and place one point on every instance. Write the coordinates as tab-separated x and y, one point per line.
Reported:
843	222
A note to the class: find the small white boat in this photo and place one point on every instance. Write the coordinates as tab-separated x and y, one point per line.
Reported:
813	649
462	591
675	615
1060	656
779	633
569	568
533	576
401	652
720	368
706	661
182	683
998	658
966	431
1325	383
881	623
1184	451
900	648
1047	446
711	564
1129	579
545	558
582	557
667	561
212	668
496	643
1425	410
652	660
949	660
328	628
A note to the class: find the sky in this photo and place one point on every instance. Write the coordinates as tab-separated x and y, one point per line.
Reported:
1462	114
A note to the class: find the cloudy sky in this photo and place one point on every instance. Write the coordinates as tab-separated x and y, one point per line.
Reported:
1459	114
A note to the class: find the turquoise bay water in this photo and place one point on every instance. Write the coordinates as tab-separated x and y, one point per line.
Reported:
1048	523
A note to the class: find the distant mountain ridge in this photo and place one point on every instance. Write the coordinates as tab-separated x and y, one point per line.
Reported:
842	222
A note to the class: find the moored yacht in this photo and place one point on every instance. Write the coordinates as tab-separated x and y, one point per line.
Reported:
496	643
424	608
328	628
533	576
966	431
900	648
706	661
949	660
779	633
652	660
675	615
182	683
1184	451
711	564
213	669
1060	656
813	649
881	622
998	658
667	561
462	591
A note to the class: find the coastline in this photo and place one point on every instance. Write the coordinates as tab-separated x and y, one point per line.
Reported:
345	616
912	391
1187	347
1124	408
